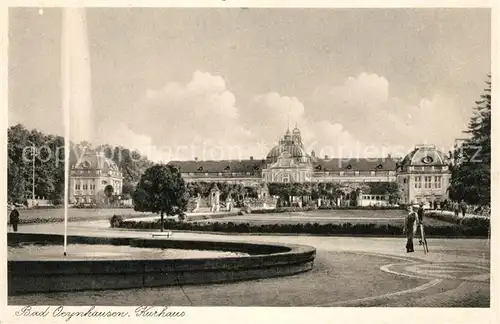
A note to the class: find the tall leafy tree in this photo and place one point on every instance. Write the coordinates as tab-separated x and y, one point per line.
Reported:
161	190
471	173
49	164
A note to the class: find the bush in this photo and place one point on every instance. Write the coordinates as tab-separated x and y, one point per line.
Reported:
116	221
312	228
310	208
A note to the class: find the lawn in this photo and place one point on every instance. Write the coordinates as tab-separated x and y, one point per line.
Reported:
77	213
392	217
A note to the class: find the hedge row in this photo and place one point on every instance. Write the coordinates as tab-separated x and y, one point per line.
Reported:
307	228
305	209
483	222
44	220
362	207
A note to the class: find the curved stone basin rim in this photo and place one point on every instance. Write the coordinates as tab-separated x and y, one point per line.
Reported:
265	260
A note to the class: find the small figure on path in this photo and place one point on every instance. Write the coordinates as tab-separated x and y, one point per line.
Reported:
420	212
420	219
463	207
408	228
456	208
14	218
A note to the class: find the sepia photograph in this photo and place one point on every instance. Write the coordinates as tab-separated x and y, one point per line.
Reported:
262	157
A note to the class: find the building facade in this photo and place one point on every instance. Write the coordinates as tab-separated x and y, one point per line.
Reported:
289	162
90	176
424	175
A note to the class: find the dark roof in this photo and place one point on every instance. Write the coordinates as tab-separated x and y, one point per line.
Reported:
220	166
95	160
419	153
355	164
321	165
294	149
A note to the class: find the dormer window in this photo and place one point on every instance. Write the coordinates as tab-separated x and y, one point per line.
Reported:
227	168
348	167
86	164
380	166
256	167
318	167
200	168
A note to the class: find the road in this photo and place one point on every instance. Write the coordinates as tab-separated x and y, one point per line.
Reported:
349	271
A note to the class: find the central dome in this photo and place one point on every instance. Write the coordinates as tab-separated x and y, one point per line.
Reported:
291	144
295	151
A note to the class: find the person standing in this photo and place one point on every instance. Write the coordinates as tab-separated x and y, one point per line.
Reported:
14	218
456	208
420	212
408	229
420	219
463	207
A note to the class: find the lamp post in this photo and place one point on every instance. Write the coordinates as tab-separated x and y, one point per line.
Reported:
33	156
33	188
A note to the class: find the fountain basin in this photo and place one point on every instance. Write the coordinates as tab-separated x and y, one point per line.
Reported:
238	261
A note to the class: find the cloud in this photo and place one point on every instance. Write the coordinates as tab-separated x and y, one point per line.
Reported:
274	110
364	107
357	118
196	119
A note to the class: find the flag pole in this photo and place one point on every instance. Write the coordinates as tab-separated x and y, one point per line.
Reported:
65	82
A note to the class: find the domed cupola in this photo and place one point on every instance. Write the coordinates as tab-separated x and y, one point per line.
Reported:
424	155
291	144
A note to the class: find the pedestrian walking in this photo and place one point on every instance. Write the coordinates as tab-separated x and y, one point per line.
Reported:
14	218
409	228
435	205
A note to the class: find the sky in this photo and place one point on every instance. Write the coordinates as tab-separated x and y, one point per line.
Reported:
226	83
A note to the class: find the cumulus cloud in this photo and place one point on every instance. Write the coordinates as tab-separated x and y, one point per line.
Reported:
276	111
364	107
358	118
197	119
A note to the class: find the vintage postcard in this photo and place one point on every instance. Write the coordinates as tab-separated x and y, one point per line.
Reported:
231	162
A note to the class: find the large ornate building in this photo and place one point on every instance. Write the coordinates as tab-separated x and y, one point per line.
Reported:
90	175
422	176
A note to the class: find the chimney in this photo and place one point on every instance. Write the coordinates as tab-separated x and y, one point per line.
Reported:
388	156
196	158
251	158
326	157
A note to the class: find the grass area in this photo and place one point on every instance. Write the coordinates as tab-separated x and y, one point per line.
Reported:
74	214
322	217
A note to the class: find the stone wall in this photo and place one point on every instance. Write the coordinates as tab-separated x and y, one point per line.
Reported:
263	261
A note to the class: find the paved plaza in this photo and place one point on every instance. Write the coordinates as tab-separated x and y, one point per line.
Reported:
349	271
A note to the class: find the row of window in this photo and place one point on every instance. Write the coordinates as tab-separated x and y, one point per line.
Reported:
427	168
429	182
341	173
84	187
97	172
369	197
355	173
220	174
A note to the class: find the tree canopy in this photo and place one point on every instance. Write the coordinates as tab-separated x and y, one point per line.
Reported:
471	172
49	164
161	190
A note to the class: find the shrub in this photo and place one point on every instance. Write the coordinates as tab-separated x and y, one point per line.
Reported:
478	229
116	221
